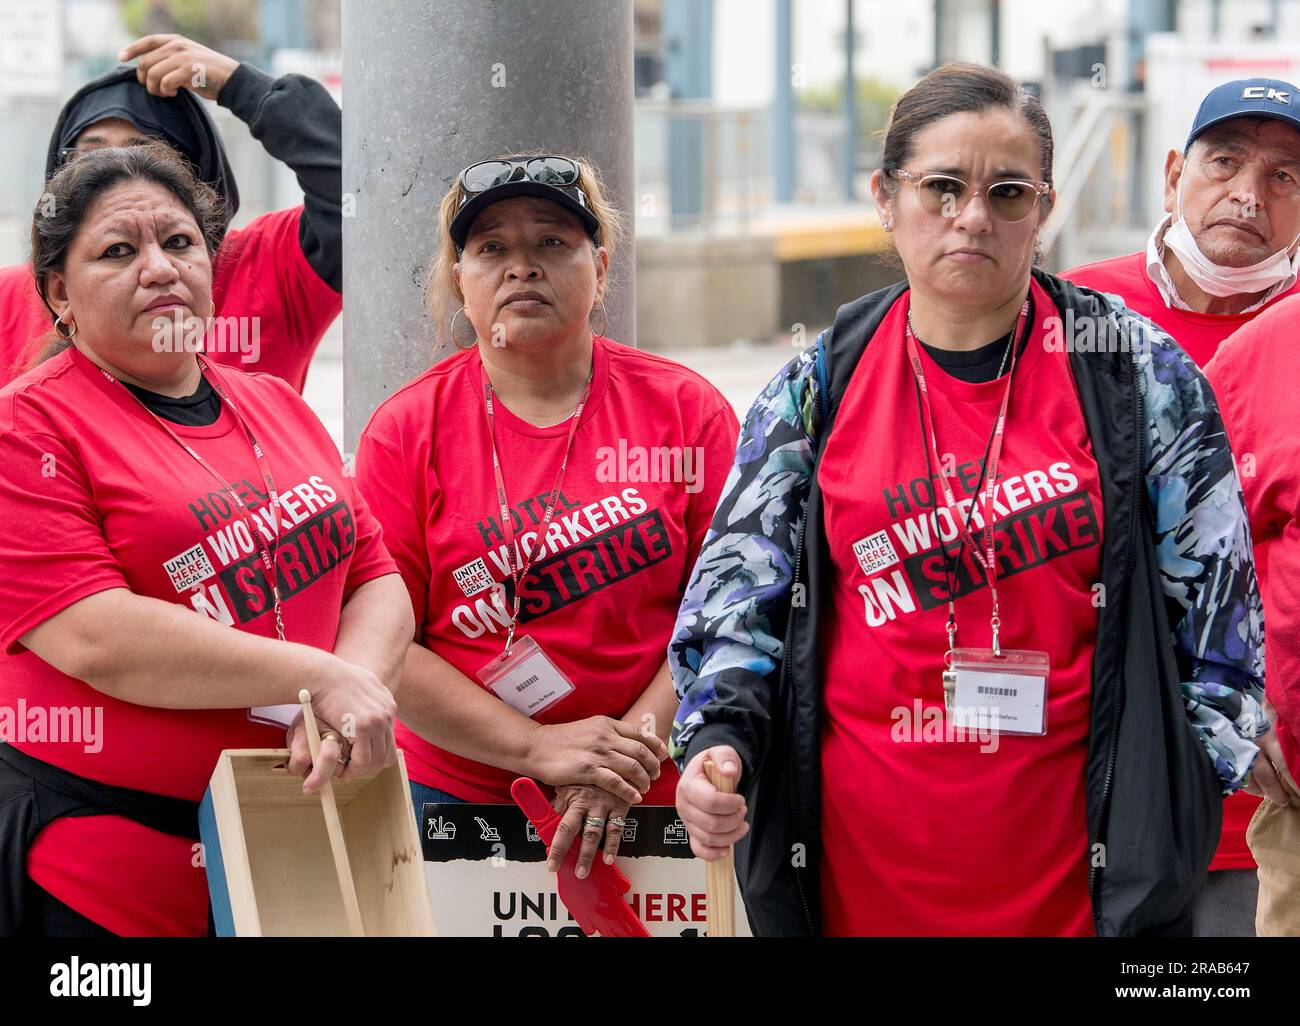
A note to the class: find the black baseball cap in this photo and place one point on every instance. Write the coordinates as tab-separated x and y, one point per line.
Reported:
1247	97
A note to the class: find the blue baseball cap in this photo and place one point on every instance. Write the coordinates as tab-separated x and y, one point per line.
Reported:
1247	97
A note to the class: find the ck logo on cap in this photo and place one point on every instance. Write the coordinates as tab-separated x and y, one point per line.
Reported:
1266	93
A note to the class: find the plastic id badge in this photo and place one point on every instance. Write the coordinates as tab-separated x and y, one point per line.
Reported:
525	678
274	715
1006	694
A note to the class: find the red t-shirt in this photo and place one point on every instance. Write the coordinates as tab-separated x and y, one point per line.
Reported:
1200	336
106	499
260	272
1253	378
922	835
602	598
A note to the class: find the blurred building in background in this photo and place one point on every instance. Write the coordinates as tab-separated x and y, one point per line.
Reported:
757	125
49	48
776	226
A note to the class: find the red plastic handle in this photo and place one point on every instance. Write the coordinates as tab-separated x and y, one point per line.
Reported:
597	902
528	796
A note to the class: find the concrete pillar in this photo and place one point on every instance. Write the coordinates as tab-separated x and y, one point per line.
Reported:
428	89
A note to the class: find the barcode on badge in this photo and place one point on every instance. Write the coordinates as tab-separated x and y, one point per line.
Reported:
527	683
997	692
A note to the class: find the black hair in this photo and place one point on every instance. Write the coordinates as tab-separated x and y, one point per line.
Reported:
74	189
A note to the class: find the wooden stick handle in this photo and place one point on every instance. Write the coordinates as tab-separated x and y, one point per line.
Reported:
720	874
333	825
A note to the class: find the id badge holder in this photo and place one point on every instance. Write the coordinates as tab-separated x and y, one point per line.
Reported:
274	715
1005	694
525	678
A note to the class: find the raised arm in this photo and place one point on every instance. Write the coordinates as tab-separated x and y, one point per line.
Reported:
293	117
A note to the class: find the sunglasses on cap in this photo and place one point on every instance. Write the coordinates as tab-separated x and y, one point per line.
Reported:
488	174
550	177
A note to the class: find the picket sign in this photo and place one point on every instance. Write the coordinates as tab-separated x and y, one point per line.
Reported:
487	877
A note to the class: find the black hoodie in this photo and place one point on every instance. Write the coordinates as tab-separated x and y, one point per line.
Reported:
181	120
293	117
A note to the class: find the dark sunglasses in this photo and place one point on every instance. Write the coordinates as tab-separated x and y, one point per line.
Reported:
488	174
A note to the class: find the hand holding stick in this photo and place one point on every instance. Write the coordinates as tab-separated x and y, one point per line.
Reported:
720	873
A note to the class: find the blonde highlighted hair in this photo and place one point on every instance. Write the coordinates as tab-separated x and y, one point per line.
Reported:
442	296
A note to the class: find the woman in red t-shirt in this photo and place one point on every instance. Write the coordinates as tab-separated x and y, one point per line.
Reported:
151	503
545	492
976	624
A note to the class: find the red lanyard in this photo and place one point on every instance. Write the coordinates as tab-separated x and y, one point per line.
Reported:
507	526
986	557
269	558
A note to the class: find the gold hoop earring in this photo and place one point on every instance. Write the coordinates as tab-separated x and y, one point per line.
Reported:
604	316
60	324
454	340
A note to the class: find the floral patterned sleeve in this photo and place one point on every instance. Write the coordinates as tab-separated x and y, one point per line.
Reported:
728	641
1204	553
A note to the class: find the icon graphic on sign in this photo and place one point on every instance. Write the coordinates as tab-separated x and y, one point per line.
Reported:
487	833
441	829
533	835
629	830
675	833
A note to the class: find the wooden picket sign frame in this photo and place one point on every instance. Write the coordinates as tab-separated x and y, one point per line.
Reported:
275	861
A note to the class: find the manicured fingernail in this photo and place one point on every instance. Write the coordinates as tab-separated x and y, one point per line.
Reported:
121	55
609	860
728	768
581	874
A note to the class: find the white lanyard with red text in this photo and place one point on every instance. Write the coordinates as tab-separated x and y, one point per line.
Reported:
523	675
1014	681
269	558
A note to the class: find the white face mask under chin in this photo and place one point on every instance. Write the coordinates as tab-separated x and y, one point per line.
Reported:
1217	280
